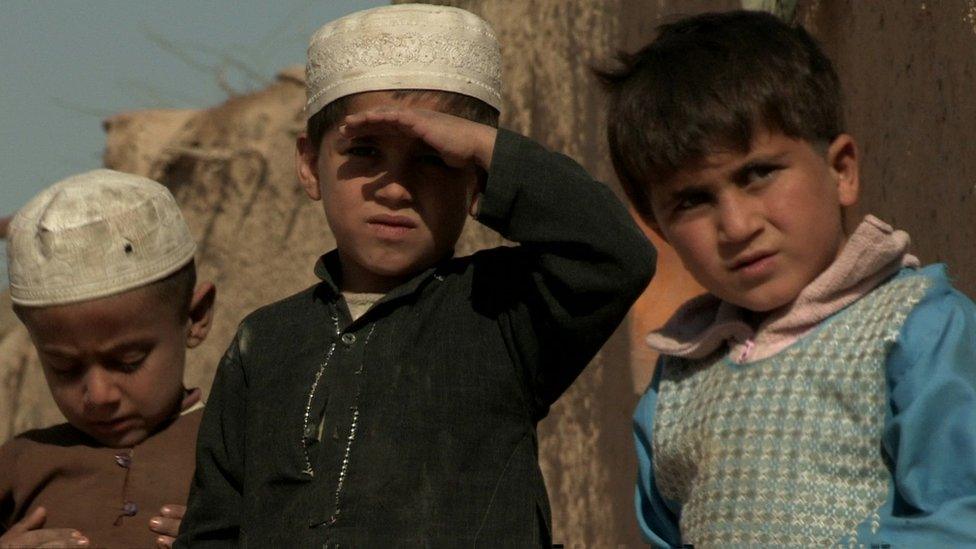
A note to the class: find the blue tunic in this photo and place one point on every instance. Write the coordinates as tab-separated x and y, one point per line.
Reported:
928	439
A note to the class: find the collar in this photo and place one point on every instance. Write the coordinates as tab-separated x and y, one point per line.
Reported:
192	401
329	269
872	254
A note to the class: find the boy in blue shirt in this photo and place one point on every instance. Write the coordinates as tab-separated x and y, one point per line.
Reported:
824	390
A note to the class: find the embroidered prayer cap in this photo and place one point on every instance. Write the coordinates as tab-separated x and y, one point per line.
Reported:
93	235
407	46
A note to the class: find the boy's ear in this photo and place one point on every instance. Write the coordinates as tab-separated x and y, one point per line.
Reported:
475	191
201	314
842	160
306	166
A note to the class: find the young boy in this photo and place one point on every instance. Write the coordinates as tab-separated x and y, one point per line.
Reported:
824	392
102	275
396	402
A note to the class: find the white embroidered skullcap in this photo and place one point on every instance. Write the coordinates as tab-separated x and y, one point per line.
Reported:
407	46
92	235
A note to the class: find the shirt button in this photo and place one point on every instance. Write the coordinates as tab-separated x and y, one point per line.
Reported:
129	509
123	459
348	338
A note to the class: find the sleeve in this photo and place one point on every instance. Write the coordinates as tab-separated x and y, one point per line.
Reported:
8	469
213	515
657	521
930	433
581	263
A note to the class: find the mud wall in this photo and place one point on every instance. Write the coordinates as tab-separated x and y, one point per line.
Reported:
909	73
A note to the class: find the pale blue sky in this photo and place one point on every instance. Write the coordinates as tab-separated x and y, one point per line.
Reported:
65	65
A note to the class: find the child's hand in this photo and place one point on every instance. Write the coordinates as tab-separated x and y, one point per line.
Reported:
28	532
167	524
460	142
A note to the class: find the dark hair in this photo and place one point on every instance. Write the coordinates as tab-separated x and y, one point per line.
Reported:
457	104
178	288
709	82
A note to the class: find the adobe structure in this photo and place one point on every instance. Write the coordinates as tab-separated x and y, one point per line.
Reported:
909	71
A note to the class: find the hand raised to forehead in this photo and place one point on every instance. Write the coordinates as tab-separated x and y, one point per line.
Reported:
460	142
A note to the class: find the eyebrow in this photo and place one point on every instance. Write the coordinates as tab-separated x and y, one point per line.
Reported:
138	344
776	159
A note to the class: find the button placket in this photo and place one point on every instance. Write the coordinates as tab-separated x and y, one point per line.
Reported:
353	426
307	426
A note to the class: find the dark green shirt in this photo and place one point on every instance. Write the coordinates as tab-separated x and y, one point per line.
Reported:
429	400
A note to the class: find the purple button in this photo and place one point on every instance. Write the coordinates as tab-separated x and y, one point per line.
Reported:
123	459
129	509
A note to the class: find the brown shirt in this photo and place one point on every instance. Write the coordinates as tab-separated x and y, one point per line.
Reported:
109	494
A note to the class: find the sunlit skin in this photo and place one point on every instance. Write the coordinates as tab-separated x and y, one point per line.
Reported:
115	365
756	228
397	180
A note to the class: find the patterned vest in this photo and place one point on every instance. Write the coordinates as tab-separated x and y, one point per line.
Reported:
785	450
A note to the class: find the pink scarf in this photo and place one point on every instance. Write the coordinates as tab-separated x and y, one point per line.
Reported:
872	254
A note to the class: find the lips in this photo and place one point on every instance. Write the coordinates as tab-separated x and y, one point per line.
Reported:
390	225
113	425
749	259
754	266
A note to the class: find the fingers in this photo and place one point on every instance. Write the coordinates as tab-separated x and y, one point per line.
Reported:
460	142
165	542
391	121
173	511
34	520
47	537
165	526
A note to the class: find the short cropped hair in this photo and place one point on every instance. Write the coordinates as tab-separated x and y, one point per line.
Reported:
707	83
457	104
177	289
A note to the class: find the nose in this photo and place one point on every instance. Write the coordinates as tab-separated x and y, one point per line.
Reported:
100	389
739	218
394	188
392	192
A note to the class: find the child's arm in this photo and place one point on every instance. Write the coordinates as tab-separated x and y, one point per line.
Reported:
657	521
30	532
213	510
582	260
930	434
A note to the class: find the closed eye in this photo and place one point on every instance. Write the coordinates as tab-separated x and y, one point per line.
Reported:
129	365
61	367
